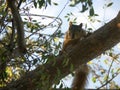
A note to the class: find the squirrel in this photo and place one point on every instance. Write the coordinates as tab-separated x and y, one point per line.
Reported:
72	37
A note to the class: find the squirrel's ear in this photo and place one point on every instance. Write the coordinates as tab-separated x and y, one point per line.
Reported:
80	25
70	23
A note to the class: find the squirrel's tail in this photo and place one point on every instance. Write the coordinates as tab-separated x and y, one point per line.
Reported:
80	78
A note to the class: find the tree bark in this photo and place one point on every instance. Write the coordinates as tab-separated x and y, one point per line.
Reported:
87	49
19	26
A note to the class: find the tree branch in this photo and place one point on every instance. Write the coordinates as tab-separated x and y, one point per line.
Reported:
85	50
19	26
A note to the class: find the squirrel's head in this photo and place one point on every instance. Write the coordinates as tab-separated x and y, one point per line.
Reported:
75	27
76	31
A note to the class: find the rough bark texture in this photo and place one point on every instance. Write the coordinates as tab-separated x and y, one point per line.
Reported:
87	49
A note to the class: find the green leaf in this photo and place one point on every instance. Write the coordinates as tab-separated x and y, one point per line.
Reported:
90	29
90	2
61	85
55	3
35	4
110	4
84	7
41	3
105	77
106	61
71	5
49	1
35	61
91	12
96	15
34	20
94	79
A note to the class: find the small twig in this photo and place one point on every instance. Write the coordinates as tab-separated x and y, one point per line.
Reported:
109	71
108	81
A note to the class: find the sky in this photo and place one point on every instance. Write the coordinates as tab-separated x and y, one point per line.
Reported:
105	15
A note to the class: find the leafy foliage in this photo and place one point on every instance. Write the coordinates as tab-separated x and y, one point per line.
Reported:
43	43
86	4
